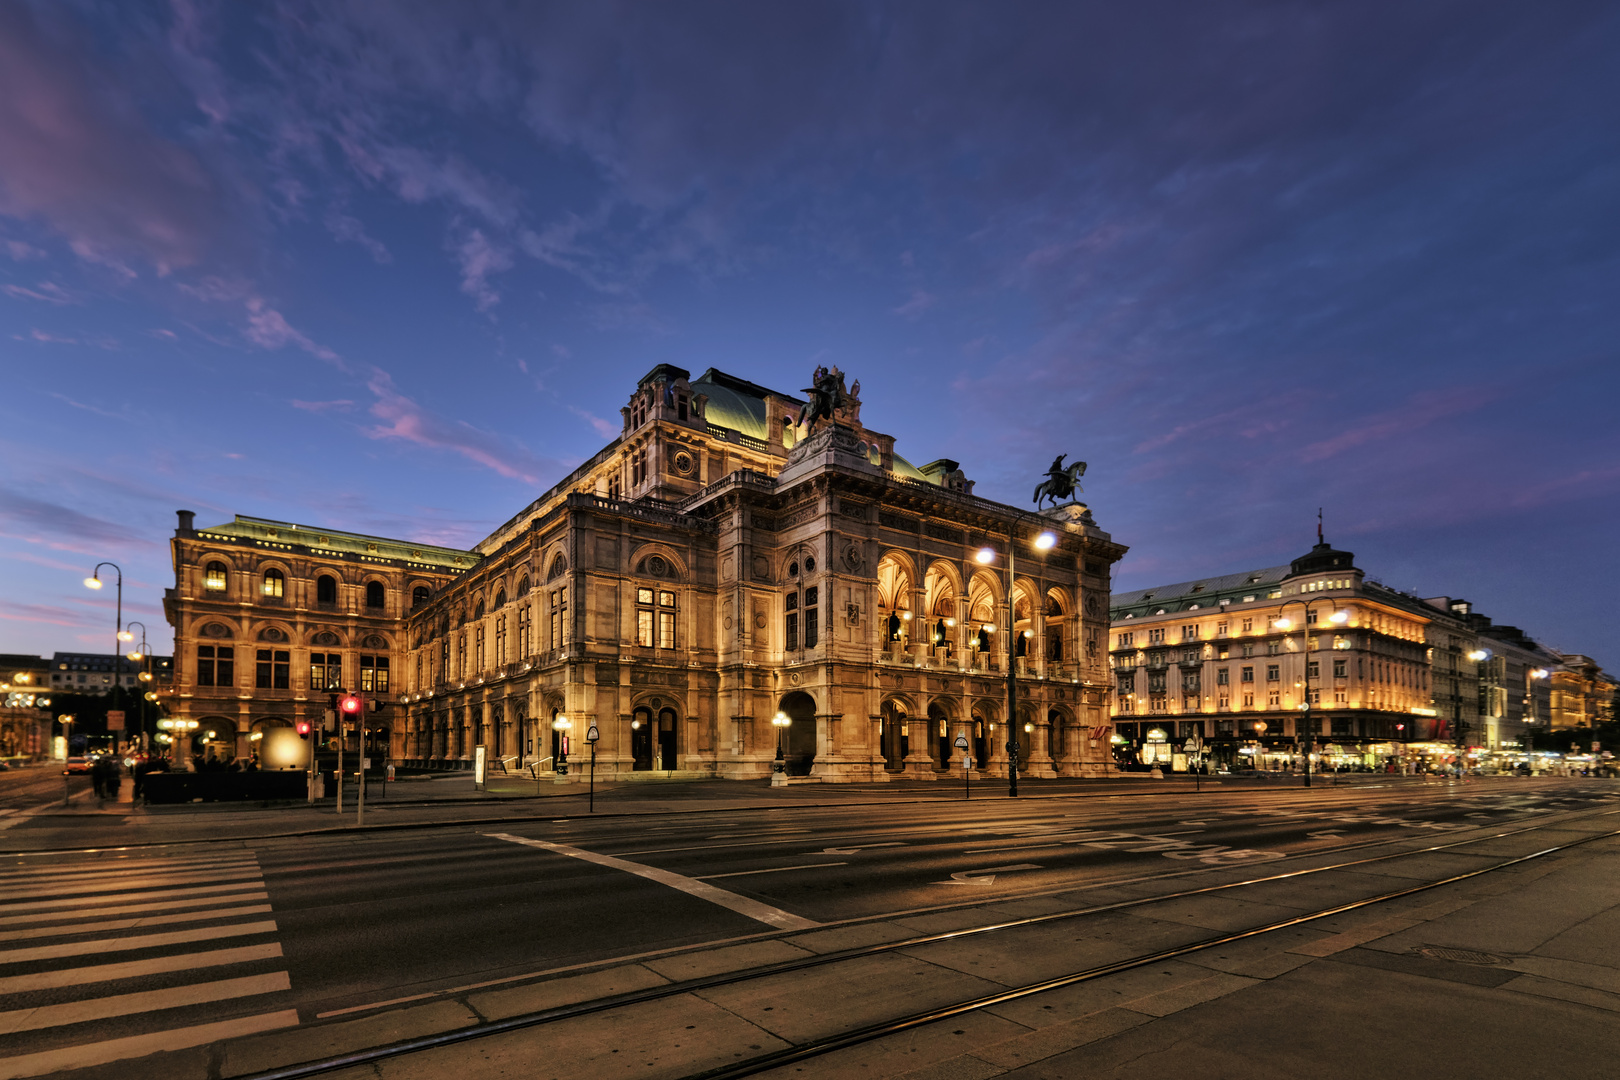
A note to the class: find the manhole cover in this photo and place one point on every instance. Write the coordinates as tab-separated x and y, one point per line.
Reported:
1458	956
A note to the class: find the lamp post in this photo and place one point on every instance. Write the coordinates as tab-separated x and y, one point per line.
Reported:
781	722
1530	678
67	743
1338	618
120	635
1044	541
563	725
138	654
591	735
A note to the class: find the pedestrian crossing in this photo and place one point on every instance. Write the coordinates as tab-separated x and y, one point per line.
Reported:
114	957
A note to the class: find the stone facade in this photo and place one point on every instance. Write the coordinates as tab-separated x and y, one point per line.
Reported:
708	571
270	617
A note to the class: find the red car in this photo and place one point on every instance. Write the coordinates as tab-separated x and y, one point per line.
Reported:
79	765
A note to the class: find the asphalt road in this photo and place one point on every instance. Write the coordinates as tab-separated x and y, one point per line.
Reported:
247	935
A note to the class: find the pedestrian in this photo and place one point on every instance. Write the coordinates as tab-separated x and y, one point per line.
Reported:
98	777
114	779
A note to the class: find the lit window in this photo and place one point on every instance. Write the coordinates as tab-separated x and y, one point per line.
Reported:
214	577
275	584
374	674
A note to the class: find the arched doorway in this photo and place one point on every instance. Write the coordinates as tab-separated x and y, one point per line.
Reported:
641	739
981	742
800	707
668	731
939	735
892	737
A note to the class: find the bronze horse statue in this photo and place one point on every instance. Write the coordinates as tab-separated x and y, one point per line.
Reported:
827	396
1060	483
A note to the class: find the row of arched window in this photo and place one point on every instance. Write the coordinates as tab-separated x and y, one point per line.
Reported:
273	586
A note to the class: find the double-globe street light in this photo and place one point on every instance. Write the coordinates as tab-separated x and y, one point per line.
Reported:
1338	618
1530	678
1044	540
781	722
120	635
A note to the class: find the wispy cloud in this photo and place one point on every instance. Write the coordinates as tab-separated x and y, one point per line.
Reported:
605	428
1423	409
920	302
402	418
479	258
23	517
323	406
47	292
268	329
349	230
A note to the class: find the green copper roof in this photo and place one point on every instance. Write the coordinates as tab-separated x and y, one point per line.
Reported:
376	547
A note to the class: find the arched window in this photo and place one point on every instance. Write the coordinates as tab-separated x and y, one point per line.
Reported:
214	577
419	596
478	610
275	584
523	585
374	594
326	589
500	599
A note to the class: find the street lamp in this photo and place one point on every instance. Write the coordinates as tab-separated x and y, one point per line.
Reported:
140	654
564	725
1338	618
67	752
119	633
1044	541
781	722
591	735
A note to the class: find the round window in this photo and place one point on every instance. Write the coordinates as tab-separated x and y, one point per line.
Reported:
793	569
684	464
810	566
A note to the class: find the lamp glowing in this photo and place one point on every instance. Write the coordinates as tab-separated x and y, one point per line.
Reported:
984	556
1046	541
92	583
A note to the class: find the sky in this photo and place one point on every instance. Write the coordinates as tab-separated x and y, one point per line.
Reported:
394	268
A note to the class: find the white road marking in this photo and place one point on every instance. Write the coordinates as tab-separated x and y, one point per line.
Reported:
773	870
153	1042
80	902
378	1004
129	969
65	929
140	941
742	905
985	876
861	847
130	909
78	1012
157	881
127	866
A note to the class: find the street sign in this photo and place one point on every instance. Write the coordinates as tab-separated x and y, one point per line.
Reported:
962	743
115	721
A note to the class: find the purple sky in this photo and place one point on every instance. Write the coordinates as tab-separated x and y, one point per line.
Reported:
394	268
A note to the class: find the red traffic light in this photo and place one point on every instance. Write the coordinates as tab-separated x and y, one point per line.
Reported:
303	729
351	704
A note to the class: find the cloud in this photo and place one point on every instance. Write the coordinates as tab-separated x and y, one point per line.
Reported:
323	406
479	259
49	338
82	161
88	408
1401	423
39	522
267	329
404	419
166	335
45	291
920	302
349	230
21	252
605	428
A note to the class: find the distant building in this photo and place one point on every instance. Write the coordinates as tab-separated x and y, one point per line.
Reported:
1230	659
93	673
1582	693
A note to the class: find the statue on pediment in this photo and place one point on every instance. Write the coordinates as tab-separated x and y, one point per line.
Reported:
1061	483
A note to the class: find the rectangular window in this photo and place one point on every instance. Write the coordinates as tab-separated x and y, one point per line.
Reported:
1223	702
644	596
1220	629
523	630
1223	676
1313	669
325	671
205	665
478	649
1273	699
214	577
1273	648
644	627
1126	640
1248	651
1248	624
790	636
374	674
666	629
1338	669
1272	672
1156	637
1248	674
271	669
1248	701
810	626
666	599
1189	632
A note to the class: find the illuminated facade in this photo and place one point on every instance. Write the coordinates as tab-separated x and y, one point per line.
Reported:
1581	693
269	617
714	567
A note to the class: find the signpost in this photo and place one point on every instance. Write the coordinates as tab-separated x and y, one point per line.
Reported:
480	757
591	735
1194	747
967	767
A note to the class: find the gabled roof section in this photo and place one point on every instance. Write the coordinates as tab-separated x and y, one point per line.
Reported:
266	531
1203	591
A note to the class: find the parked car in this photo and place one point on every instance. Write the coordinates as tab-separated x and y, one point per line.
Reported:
79	765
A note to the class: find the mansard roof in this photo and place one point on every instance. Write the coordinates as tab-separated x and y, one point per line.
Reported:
737	403
265	532
1202	591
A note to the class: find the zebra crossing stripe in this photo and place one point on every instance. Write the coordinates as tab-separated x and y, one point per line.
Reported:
139	941
85	1055
64	929
80	902
129	969
131	909
152	881
78	1012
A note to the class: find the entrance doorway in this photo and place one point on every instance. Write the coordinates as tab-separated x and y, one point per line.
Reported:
801	735
667	729
641	740
981	745
893	736
939	730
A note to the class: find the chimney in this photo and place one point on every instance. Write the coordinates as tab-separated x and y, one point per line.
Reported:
187	527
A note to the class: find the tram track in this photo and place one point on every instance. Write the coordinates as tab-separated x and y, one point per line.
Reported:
917	1018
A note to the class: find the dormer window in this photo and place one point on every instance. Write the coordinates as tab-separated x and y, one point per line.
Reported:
680	407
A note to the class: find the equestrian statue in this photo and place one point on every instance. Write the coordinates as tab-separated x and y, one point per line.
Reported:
827	396
1060	483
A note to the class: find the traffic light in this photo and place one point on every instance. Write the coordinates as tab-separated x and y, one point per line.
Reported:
303	729
351	704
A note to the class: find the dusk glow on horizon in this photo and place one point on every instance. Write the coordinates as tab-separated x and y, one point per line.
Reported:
394	269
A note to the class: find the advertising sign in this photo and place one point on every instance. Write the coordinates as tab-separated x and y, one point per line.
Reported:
115	719
478	765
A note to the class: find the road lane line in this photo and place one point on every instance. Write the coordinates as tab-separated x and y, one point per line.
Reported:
742	905
773	870
377	1004
102	866
100	1053
140	941
78	1012
70	929
130	909
144	894
129	969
